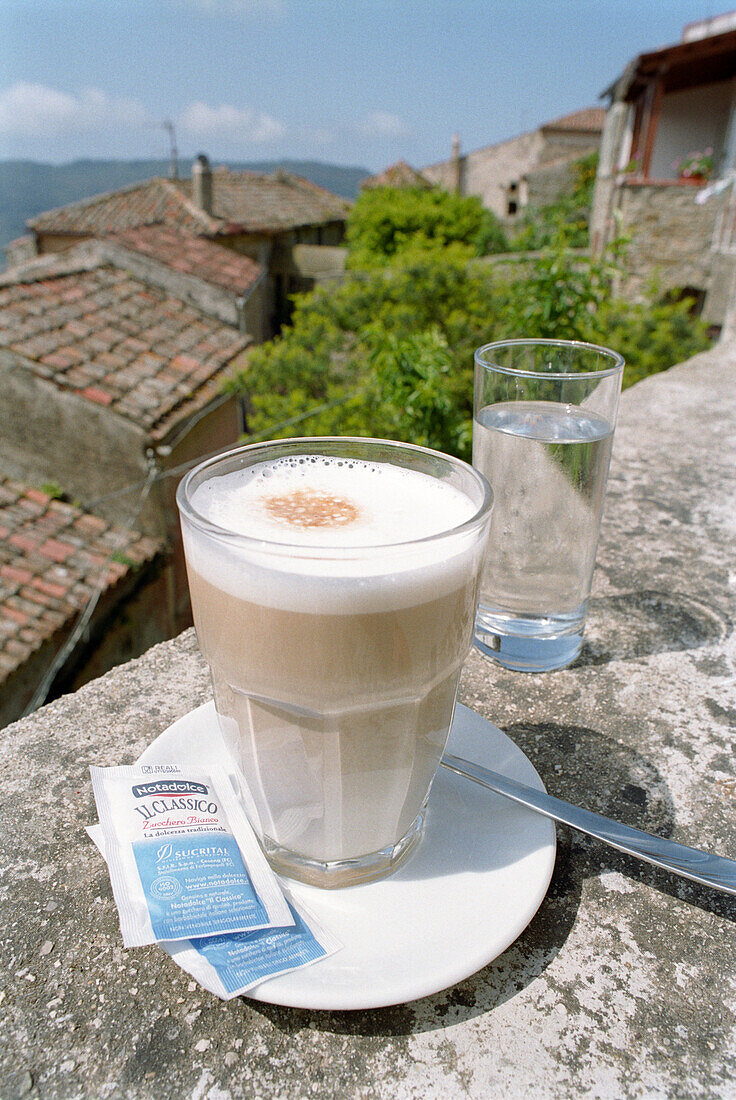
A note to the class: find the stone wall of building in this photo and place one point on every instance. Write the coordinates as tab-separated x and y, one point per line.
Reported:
255	312
670	235
217	430
123	630
51	435
570	144
276	255
58	242
32	244
547	183
488	172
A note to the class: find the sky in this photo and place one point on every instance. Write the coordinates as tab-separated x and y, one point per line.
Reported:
353	82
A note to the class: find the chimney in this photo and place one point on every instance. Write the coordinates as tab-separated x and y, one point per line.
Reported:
456	167
202	183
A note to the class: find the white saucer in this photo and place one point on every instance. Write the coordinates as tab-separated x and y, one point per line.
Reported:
473	884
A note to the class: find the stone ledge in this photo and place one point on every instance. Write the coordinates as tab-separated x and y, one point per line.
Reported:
619	986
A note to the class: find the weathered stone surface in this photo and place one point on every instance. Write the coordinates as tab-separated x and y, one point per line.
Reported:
622	985
670	238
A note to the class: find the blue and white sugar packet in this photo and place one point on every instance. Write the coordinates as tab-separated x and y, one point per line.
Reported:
233	964
230	965
183	859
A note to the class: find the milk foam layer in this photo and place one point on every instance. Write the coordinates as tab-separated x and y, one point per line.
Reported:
363	564
391	504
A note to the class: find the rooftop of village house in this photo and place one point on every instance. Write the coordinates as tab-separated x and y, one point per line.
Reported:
53	557
253	202
588	120
399	174
699	58
193	255
88	325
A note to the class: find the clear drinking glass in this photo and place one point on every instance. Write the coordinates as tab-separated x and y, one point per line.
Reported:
544	416
335	668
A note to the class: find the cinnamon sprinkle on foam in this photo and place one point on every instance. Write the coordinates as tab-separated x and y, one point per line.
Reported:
311	508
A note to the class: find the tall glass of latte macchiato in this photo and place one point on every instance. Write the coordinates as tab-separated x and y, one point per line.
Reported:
544	415
334	585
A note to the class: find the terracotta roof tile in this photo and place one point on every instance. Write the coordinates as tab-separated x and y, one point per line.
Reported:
270	202
54	557
250	201
148	203
119	343
193	256
400	174
590	119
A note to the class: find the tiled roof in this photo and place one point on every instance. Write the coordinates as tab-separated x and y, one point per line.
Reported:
589	120
118	341
153	202
269	202
193	256
249	201
400	174
53	557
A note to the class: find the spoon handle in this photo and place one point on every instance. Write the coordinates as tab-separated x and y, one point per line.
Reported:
710	870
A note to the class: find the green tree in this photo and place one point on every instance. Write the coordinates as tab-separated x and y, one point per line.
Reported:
389	352
334	358
560	292
651	335
411	392
387	220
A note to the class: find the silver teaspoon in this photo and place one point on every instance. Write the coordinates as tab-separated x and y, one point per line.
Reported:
710	870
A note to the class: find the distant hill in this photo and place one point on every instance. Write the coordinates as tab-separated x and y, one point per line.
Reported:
27	187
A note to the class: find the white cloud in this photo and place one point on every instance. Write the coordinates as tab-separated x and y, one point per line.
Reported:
237	123
383	124
37	110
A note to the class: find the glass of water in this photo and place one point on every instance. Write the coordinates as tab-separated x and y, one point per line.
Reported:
544	415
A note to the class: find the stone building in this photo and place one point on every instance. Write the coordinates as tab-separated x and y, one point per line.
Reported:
113	368
56	560
531	169
672	111
257	215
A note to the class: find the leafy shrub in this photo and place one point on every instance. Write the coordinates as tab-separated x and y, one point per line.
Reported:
651	336
385	221
560	293
411	391
390	351
53	489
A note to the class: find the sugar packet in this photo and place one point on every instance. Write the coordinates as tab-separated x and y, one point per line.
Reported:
183	859
232	964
